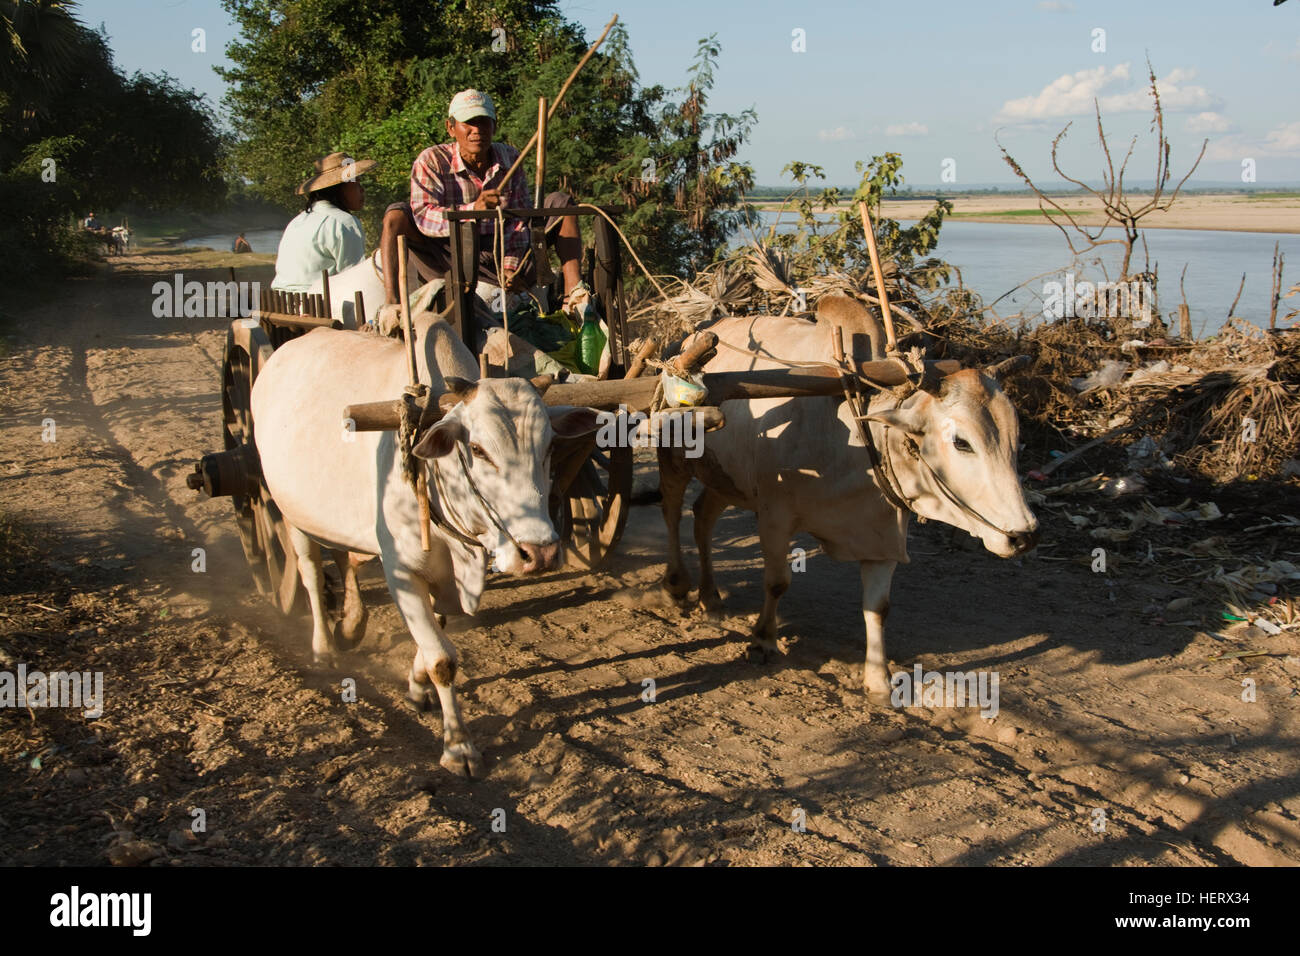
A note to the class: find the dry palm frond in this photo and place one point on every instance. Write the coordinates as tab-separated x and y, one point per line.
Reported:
771	269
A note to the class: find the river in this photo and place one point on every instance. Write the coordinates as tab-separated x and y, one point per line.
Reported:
995	257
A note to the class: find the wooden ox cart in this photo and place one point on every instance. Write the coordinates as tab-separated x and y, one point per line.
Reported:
592	486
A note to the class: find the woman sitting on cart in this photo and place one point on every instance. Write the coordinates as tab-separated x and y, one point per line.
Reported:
325	236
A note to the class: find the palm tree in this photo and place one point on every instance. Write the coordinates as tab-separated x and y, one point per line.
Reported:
39	48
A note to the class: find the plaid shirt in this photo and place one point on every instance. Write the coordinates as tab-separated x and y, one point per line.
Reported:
440	181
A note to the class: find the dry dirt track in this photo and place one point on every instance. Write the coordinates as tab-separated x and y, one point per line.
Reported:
212	701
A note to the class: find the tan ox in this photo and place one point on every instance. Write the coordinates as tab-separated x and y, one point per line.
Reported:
799	464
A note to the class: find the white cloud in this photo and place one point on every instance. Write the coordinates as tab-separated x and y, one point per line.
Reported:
1056	6
1208	123
1176	95
907	129
1282	141
1073	95
836	135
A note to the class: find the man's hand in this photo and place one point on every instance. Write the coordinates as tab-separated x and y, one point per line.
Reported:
488	199
515	280
389	319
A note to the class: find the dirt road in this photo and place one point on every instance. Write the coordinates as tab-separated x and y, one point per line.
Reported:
1116	742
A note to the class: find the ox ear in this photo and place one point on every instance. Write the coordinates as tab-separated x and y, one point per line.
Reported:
458	390
572	421
907	420
440	439
542	383
1008	367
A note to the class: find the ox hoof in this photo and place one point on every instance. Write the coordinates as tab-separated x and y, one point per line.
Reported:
711	607
352	626
876	684
760	652
421	703
462	760
676	587
420	697
323	660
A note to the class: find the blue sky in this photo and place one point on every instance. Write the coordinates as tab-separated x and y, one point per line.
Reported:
934	80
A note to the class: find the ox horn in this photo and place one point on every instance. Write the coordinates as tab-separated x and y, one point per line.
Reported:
1008	367
458	390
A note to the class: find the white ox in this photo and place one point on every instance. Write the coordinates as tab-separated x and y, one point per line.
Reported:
488	467
364	277
367	278
801	466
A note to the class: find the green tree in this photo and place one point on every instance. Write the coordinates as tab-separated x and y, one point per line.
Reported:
314	76
828	234
76	133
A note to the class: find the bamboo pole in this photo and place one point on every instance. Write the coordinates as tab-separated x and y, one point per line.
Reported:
325	293
891	344
538	193
359	309
406	308
559	98
421	482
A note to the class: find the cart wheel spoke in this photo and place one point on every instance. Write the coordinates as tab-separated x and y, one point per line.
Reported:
262	531
591	512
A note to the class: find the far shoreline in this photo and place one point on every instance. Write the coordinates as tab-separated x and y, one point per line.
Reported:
1227	212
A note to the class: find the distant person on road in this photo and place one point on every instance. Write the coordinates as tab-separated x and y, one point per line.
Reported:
240	244
91	224
325	236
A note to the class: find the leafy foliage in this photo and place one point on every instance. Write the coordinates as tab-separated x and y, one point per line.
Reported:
374	79
112	140
828	235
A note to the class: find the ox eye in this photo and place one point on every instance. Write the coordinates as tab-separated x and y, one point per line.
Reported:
477	451
962	445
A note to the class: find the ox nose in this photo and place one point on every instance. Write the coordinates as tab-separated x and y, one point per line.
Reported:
539	557
1024	541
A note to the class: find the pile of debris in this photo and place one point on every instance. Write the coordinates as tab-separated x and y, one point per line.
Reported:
1224	409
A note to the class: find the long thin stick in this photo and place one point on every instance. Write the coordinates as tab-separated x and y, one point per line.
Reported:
406	308
559	98
421	483
891	344
538	194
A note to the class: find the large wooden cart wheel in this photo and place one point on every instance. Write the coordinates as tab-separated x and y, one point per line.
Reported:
591	500
262	530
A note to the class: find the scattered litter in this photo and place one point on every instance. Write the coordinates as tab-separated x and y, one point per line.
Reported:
1128	485
1110	374
1228	655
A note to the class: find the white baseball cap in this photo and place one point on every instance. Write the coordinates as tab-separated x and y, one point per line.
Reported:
468	104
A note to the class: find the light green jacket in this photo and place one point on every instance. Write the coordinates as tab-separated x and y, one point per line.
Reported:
327	238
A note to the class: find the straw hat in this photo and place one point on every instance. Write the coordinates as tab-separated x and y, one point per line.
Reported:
334	169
